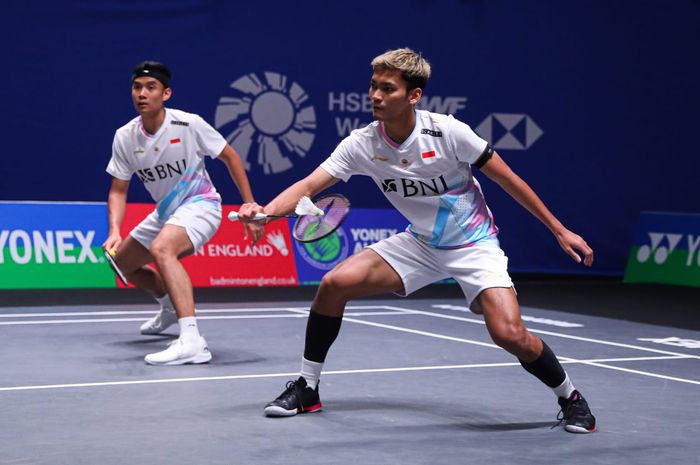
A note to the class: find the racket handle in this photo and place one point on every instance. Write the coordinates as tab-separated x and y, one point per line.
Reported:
233	216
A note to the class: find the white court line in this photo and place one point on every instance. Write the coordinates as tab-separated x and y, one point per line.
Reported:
288	375
213	317
303	312
570	360
152	312
637	372
627	359
421	333
540	331
137	312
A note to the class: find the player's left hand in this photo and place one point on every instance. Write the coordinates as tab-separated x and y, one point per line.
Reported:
571	243
255	231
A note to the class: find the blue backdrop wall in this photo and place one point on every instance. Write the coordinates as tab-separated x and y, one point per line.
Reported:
594	103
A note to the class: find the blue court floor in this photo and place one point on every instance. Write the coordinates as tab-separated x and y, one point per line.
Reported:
409	381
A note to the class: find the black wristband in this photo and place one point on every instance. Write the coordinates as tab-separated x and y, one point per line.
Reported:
484	157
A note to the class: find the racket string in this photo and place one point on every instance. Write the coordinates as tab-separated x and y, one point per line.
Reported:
314	228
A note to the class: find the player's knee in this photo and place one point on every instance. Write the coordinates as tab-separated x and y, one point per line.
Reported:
330	282
160	249
340	282
510	336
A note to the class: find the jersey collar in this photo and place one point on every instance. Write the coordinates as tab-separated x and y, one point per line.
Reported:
409	139
166	121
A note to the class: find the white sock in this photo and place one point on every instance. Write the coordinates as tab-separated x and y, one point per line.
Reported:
188	328
311	371
166	303
564	389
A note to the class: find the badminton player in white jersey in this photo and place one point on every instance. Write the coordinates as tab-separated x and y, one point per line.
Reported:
165	148
422	161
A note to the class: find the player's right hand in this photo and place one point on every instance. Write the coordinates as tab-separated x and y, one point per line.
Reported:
112	243
572	243
248	211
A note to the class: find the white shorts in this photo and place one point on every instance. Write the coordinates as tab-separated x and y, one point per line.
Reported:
475	268
200	219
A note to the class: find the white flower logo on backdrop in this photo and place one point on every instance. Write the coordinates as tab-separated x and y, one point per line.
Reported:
268	122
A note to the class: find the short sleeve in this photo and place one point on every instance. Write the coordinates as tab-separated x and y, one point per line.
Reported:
341	164
467	146
118	165
209	141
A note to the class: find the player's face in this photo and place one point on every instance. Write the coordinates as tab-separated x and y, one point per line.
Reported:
390	97
148	95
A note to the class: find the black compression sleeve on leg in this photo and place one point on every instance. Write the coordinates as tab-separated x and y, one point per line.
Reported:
321	331
546	368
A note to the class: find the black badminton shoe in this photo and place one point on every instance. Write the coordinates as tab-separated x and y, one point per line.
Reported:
575	414
298	397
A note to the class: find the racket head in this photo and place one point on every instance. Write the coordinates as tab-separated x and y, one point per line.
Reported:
309	228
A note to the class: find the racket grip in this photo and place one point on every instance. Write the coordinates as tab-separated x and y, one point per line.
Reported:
233	216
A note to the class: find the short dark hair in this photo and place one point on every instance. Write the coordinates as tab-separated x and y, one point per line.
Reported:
153	69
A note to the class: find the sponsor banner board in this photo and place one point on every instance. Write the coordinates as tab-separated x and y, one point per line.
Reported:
665	249
230	260
361	228
53	245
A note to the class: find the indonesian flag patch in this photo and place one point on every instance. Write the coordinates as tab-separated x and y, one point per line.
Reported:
430	154
175	141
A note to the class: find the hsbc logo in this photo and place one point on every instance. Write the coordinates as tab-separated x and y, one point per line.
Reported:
414	187
509	131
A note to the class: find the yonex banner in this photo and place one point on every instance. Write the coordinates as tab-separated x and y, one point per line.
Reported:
666	249
362	227
53	245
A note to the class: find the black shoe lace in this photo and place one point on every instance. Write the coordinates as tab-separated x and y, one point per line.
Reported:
561	416
290	387
291	390
572	408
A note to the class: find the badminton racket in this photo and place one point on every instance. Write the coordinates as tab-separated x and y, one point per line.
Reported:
314	220
113	264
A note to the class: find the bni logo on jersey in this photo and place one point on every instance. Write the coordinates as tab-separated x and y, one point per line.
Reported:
327	252
268	120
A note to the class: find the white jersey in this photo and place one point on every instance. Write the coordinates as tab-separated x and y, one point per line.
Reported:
428	177
170	162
